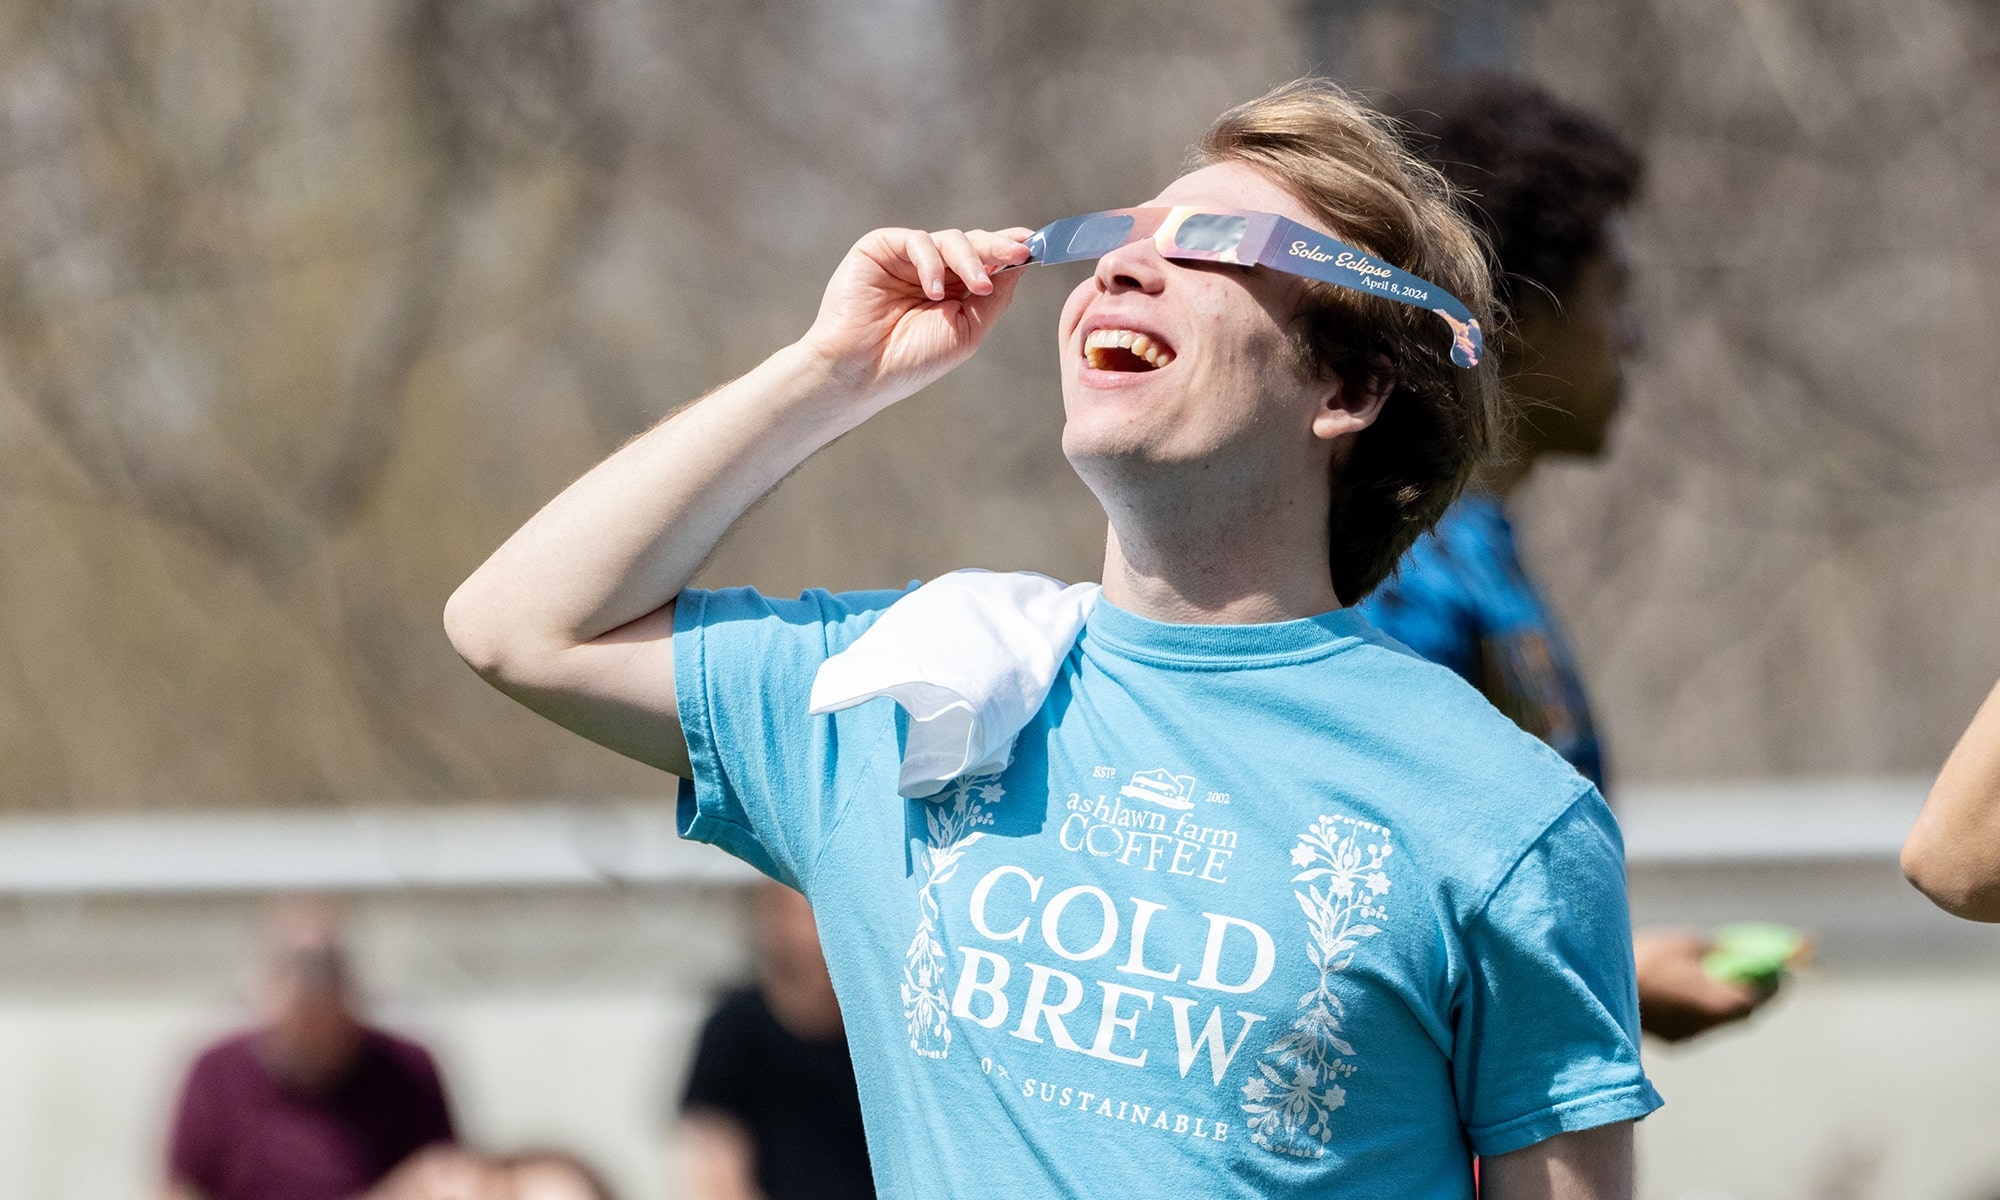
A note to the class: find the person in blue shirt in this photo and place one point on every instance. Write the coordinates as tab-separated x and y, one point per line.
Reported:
1262	904
1550	186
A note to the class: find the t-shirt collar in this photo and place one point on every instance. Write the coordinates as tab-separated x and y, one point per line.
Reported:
1223	646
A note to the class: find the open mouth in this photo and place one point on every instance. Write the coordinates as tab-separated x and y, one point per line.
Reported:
1124	350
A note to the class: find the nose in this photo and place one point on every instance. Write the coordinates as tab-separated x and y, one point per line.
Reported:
1135	267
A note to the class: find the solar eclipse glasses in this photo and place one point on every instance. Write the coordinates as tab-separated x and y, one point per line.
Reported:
1247	238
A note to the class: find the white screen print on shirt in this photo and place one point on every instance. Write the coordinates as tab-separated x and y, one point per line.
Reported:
1093	969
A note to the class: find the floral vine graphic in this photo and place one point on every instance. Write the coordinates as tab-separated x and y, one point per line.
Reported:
951	824
1292	1097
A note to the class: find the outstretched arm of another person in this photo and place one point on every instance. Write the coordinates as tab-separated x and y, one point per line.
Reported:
1677	998
573	615
1590	1164
1953	852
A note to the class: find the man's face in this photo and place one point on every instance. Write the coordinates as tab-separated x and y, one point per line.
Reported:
1569	365
1169	363
310	1029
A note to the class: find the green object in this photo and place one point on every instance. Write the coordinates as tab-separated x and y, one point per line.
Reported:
1753	952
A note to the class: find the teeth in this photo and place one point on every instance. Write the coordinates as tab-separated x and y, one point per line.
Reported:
1139	344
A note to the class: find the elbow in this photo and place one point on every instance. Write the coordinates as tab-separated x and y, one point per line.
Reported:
474	625
1948	880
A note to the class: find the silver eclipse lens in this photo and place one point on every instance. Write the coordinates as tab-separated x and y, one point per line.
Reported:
1099	236
1211	233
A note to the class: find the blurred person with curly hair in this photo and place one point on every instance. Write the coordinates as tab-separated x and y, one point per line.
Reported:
1549	185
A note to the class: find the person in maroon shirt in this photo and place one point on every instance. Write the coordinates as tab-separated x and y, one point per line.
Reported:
311	1105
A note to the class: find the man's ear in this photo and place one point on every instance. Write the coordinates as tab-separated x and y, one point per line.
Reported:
1354	402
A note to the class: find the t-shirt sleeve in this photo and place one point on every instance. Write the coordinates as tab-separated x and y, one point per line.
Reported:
765	783
1547	1032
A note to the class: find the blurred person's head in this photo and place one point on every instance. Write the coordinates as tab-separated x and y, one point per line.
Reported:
454	1173
1280	395
791	968
310	1032
1548	184
550	1175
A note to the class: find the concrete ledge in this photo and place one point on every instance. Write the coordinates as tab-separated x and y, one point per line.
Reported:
361	849
1768	820
632	842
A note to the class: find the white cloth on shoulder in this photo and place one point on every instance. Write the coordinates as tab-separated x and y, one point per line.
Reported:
970	656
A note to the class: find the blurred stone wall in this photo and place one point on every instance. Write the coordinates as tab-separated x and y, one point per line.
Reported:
304	307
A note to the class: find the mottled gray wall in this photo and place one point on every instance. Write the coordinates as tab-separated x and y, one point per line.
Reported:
303	307
1791	561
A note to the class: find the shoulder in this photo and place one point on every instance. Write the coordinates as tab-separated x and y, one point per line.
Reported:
1434	600
1431	573
225	1059
401	1054
1469	533
1431	711
1487	789
739	1009
737	1037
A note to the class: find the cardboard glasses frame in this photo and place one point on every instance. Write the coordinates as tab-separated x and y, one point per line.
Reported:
1254	239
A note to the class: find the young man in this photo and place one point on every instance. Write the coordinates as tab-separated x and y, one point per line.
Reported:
1550	185
1261	906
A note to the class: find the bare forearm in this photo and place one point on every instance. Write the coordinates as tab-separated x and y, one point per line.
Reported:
574	616
1590	1164
1953	852
623	540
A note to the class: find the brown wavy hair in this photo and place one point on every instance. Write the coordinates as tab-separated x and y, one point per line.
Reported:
1346	165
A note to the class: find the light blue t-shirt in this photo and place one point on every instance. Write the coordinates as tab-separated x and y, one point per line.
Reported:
1256	910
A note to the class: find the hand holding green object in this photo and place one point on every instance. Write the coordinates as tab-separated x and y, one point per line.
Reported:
1755	952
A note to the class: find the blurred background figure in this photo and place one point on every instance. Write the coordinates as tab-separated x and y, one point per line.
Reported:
450	1173
312	1104
771	1110
1550	185
1953	851
551	1175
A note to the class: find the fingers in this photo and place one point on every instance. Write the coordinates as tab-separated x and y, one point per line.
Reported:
951	261
921	251
1730	1001
1003	247
963	259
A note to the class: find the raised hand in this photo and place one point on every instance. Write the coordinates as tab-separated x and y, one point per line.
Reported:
574	615
905	306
